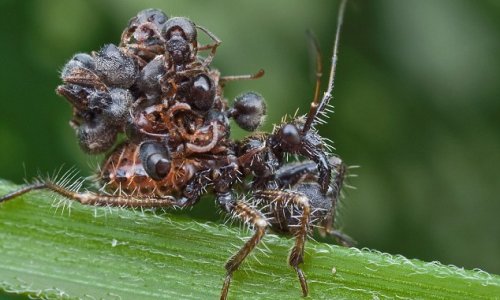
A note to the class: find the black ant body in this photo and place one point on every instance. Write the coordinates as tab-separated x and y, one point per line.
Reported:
168	103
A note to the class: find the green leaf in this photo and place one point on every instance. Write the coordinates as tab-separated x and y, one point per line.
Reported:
51	251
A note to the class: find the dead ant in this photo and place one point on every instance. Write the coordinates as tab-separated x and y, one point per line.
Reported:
177	143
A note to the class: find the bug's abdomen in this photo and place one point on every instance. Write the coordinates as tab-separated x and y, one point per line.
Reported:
123	172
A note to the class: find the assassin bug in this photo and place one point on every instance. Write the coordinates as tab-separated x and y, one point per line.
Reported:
168	103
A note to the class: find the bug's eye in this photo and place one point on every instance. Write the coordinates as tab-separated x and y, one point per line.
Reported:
202	92
155	159
290	134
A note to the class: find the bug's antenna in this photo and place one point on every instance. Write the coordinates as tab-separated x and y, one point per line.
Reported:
318	107
319	68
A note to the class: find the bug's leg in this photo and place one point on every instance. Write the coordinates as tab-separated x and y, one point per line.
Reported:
294	173
290	175
89	198
250	216
285	199
195	188
340	237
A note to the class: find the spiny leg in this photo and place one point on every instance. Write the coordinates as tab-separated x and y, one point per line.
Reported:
251	216
290	199
292	174
89	198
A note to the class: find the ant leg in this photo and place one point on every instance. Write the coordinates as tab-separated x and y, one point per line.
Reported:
89	198
213	46
253	217
257	75
293	199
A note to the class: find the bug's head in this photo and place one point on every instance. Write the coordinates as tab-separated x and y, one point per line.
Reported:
290	135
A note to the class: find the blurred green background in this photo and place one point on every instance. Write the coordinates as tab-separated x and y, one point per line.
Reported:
417	103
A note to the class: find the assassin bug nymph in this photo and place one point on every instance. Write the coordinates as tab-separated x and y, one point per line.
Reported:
167	102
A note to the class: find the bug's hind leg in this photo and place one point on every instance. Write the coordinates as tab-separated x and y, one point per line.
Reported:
96	199
285	199
252	217
21	191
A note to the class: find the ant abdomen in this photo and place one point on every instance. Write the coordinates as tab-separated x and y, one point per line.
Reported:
148	80
201	92
96	137
249	110
79	60
115	67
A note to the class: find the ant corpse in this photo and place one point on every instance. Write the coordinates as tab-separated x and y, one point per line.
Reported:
168	104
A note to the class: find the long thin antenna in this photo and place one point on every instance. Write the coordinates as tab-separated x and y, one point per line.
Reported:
319	65
316	107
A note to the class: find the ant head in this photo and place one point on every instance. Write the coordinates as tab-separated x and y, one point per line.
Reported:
155	159
76	95
180	40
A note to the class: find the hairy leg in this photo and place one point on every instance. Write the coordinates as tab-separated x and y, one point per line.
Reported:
252	217
96	199
284	199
